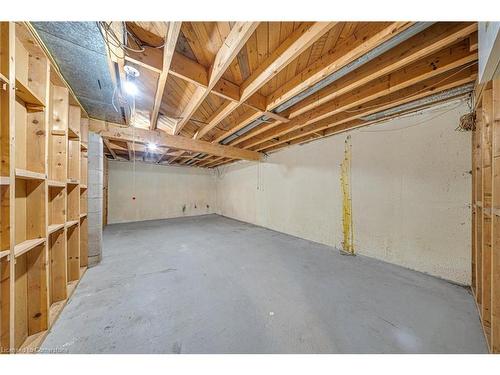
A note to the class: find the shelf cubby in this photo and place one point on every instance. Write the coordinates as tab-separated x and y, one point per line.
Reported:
60	108
73	202
4	131
5	304
31	71
58	144
30	222
30	140
4	218
73	160
57	205
31	101
84	133
83	201
75	114
57	157
83	167
4	51
57	267
31	310
73	252
84	241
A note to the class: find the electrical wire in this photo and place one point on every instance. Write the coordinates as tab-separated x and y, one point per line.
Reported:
413	115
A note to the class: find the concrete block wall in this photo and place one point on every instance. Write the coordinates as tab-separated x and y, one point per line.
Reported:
95	197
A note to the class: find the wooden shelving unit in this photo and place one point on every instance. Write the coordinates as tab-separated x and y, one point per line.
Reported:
43	177
485	213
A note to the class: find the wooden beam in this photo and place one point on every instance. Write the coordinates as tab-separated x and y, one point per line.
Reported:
290	49
175	157
130	151
351	48
438	64
405	96
354	46
236	39
162	139
240	123
195	73
473	42
425	44
276	116
110	149
432	40
216	117
173	30
116	62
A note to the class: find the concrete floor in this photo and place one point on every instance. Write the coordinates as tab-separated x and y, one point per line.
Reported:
210	284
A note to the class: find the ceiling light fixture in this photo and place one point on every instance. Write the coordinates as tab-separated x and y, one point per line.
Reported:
131	75
152	146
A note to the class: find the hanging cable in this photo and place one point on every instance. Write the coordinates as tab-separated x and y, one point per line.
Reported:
413	114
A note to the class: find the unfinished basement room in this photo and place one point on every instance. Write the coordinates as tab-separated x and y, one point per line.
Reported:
249	187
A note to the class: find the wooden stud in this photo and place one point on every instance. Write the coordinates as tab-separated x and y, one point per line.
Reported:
162	139
173	30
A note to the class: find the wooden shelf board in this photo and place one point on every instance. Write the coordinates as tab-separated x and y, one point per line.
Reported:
72	182
4	78
55	309
83	215
32	343
27	245
71	223
83	147
28	175
72	135
72	285
33	102
55	227
83	187
4	253
54	183
58	132
496	211
4	180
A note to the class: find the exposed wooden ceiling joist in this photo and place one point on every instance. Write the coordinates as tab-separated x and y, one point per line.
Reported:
173	30
352	101
291	48
110	148
251	70
236	39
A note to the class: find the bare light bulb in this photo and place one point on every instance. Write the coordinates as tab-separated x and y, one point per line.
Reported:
152	146
130	88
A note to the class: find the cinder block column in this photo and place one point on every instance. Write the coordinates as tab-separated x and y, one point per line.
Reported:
95	195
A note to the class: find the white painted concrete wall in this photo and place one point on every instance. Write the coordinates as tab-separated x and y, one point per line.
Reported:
411	191
160	192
